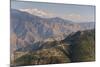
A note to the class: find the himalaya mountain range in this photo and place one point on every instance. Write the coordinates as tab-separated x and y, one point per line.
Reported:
25	24
31	28
28	27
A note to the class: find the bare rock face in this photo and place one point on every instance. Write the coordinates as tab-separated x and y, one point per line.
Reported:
29	27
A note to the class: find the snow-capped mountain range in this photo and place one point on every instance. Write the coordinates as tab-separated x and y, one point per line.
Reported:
31	25
38	12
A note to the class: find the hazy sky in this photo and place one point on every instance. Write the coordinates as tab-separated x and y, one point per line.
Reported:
77	13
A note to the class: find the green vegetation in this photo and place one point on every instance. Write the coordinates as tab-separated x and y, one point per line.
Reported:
44	56
81	48
25	59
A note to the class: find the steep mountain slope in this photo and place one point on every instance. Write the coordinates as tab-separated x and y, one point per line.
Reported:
82	46
77	47
29	28
25	25
43	27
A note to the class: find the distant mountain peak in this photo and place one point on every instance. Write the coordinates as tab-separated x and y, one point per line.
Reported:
38	12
